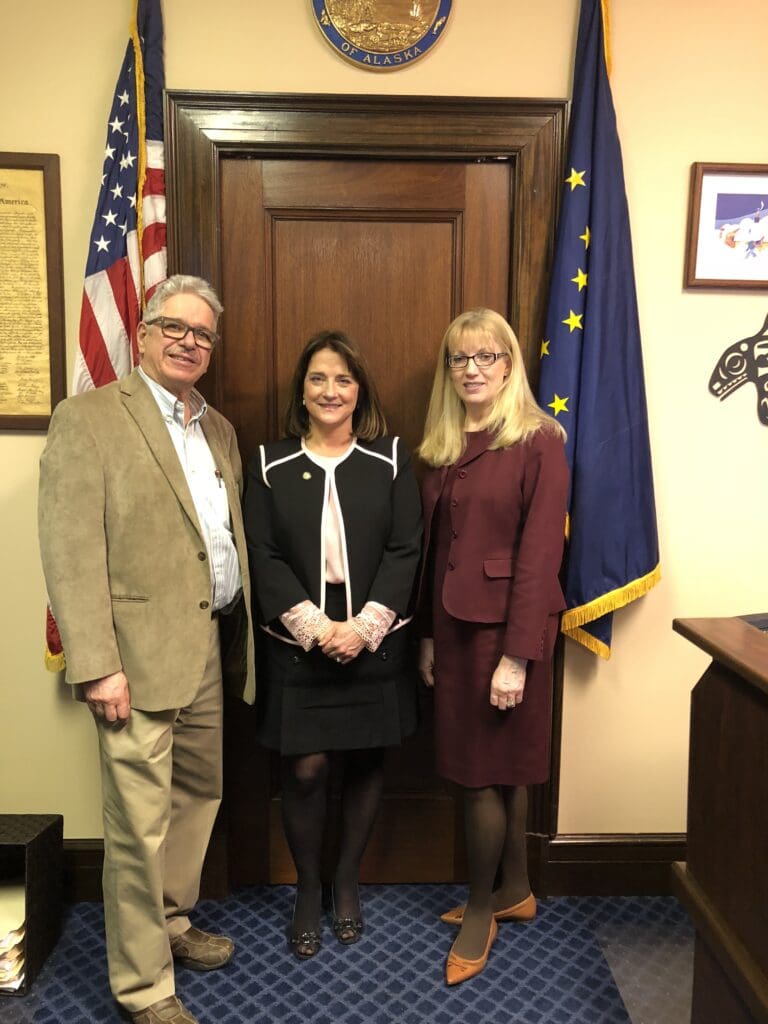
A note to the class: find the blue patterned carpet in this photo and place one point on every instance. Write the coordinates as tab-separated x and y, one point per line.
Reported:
561	969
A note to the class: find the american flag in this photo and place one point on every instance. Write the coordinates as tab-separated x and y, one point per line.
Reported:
126	251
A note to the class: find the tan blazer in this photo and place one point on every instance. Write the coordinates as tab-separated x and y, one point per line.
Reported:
123	552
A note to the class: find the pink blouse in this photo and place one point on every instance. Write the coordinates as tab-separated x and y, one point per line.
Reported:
305	621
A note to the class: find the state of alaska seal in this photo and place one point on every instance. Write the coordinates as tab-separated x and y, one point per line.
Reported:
382	35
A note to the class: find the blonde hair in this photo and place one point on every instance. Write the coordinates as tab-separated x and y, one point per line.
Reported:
514	415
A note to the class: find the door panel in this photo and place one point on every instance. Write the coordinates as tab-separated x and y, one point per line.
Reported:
376	249
387	252
366	277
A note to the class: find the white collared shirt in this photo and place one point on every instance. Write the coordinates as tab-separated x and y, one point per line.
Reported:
206	487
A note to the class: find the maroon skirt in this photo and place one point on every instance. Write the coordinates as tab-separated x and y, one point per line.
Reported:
477	745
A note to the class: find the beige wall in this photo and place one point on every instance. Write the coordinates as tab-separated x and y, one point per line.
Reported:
683	92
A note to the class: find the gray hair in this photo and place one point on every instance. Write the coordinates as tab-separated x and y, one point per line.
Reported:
181	284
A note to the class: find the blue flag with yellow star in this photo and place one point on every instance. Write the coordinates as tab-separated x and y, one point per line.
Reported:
591	364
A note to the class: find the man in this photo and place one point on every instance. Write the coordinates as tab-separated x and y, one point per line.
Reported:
143	550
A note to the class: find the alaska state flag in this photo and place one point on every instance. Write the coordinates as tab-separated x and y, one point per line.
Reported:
591	364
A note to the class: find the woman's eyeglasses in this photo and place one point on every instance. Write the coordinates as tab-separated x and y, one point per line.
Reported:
482	360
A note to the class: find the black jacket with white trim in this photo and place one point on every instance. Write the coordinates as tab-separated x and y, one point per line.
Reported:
377	499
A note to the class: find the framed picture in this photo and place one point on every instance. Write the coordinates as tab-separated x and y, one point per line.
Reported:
32	354
727	243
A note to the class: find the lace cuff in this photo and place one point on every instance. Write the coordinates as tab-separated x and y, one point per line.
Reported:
371	624
305	622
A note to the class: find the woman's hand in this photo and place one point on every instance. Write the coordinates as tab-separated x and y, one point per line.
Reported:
427	661
508	682
341	642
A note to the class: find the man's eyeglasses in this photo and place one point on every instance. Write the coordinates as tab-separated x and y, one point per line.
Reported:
177	330
481	359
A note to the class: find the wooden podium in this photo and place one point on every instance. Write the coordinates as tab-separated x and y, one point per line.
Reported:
724	884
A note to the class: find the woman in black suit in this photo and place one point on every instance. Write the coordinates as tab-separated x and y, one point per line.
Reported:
333	521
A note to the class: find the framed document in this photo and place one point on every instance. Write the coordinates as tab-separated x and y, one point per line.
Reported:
32	352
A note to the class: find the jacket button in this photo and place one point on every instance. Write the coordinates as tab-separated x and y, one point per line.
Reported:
451	566
201	555
454	503
205	604
454	534
384	655
296	659
462	473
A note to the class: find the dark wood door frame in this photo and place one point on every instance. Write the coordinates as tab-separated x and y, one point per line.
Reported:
204	127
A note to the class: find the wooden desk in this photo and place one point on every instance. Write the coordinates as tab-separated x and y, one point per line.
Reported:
724	884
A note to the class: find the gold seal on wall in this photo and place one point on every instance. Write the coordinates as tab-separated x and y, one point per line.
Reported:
382	35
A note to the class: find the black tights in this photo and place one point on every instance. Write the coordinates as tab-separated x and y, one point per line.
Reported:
305	799
494	825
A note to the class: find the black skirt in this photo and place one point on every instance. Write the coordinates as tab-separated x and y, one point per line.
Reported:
311	703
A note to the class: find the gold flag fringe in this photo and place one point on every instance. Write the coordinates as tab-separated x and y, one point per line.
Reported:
606	34
573	618
581	636
55	662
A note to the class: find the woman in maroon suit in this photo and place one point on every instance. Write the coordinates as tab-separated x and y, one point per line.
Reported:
494	510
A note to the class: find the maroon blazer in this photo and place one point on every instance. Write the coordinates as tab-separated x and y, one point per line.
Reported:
507	511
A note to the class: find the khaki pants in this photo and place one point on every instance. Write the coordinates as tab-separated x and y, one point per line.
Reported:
161	788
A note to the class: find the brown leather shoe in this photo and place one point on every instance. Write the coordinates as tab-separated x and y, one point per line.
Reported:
201	951
166	1011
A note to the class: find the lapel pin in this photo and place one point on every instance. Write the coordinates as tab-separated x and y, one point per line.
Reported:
306	475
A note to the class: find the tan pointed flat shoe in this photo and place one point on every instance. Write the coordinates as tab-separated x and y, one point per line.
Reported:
458	968
525	910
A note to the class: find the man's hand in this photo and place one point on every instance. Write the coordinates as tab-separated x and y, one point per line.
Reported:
109	698
427	660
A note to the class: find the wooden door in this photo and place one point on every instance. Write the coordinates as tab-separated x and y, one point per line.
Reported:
384	217
388	252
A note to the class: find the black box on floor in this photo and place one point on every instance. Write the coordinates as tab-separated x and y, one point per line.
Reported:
31	848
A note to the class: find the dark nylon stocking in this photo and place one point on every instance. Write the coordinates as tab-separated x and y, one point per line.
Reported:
494	825
305	783
361	796
514	858
485	826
